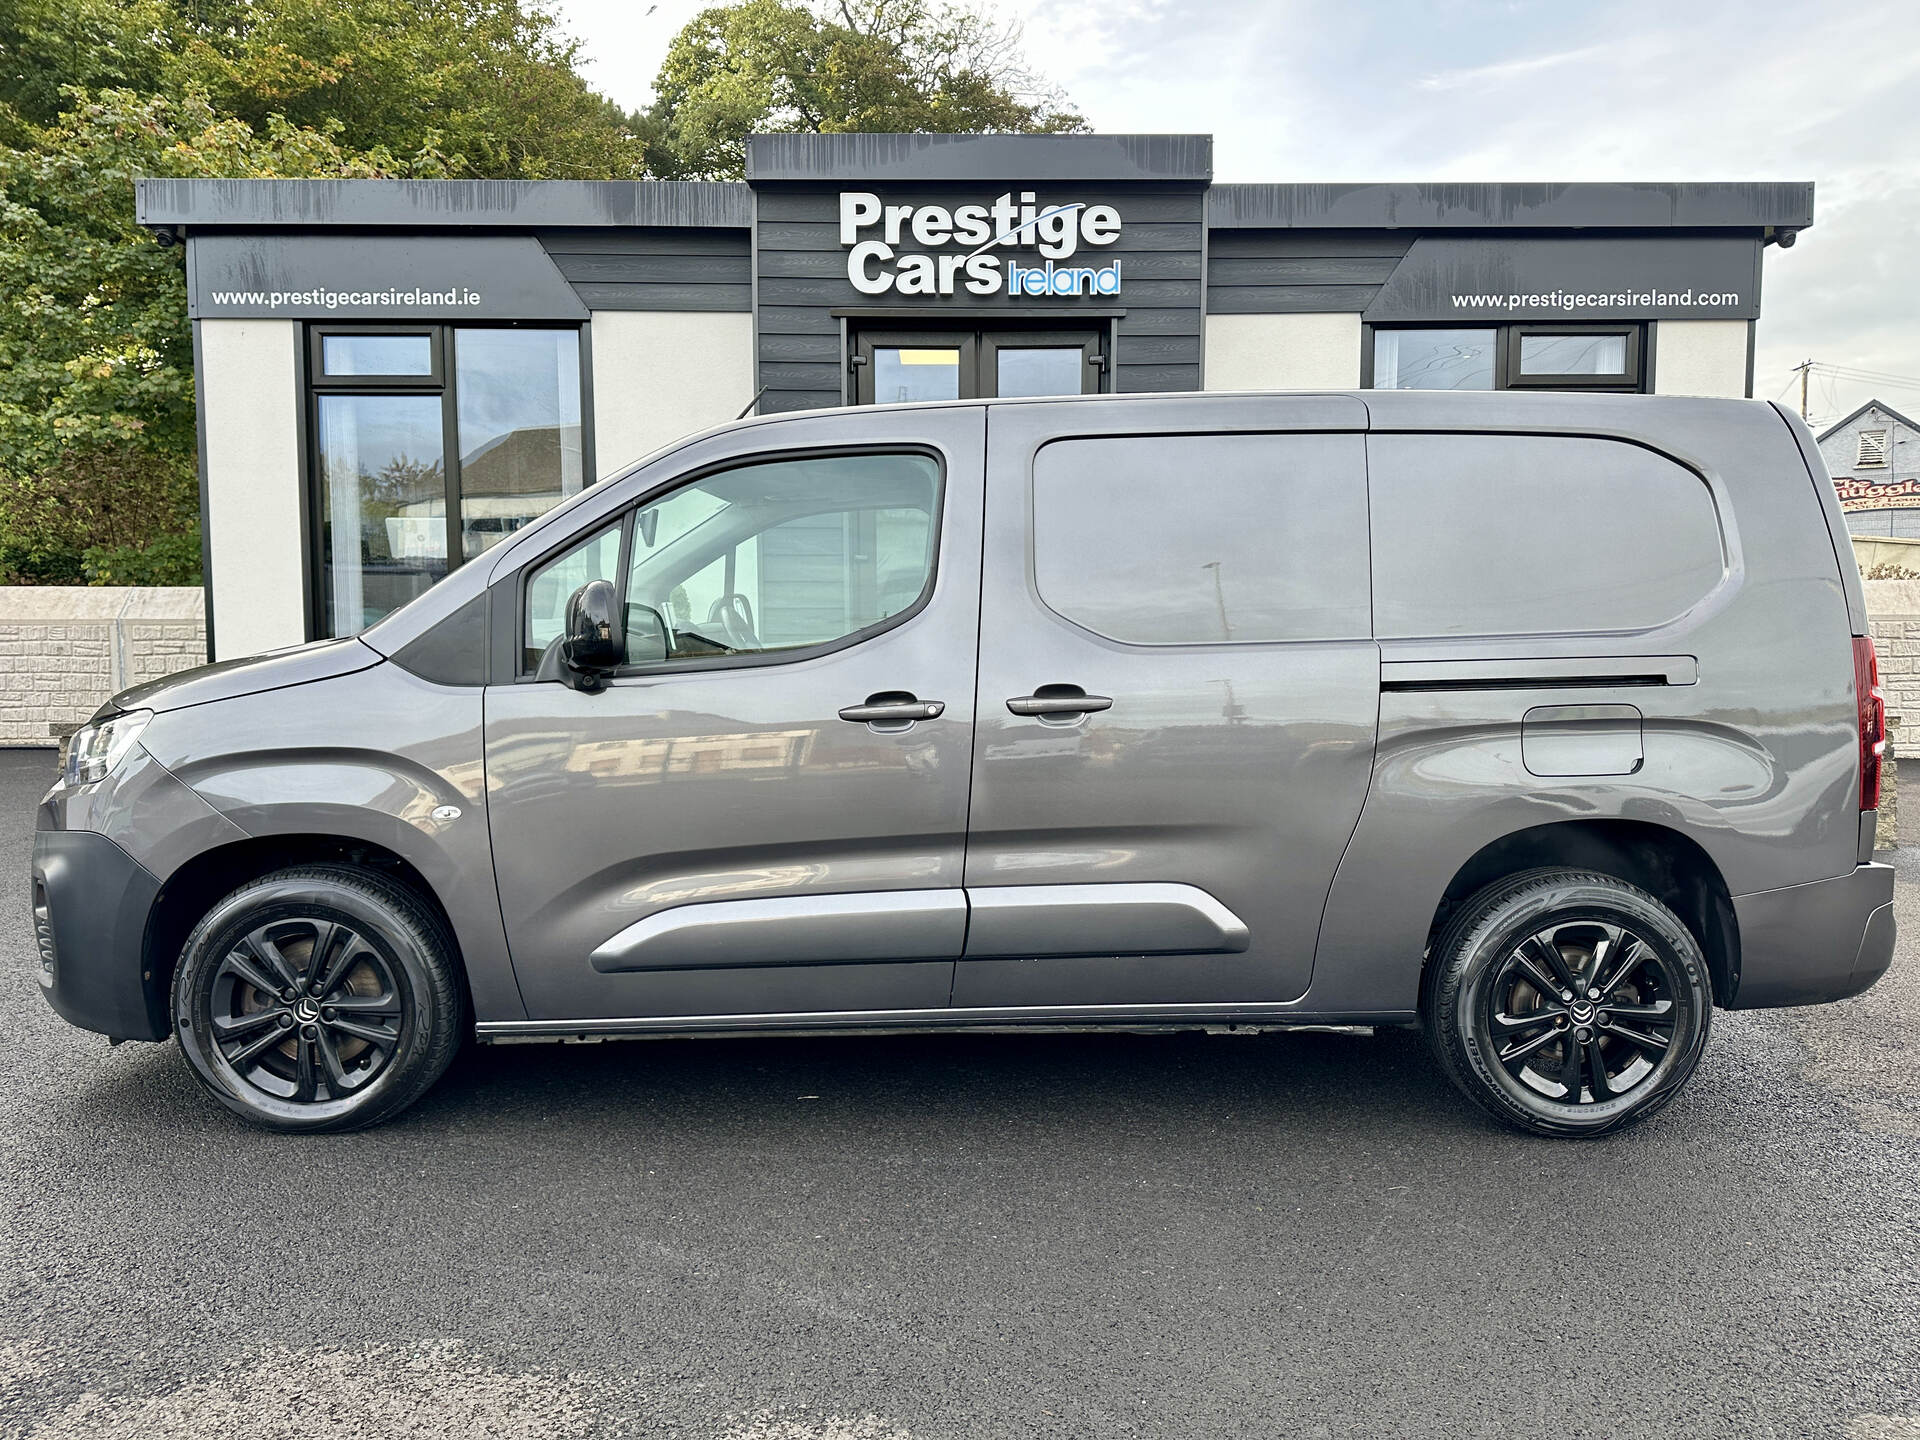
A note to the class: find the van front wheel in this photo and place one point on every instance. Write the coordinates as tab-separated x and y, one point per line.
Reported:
1566	1002
318	998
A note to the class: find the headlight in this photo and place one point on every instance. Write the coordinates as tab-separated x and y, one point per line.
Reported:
94	750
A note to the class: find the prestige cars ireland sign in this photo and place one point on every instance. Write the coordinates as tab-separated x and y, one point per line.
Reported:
1011	245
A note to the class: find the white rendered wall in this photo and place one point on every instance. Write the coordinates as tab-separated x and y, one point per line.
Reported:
1700	357
250	413
1283	352
658	375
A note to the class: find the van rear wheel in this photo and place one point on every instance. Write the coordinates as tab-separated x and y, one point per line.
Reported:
318	998
1566	1002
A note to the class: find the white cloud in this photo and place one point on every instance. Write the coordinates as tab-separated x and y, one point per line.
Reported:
1504	71
1306	90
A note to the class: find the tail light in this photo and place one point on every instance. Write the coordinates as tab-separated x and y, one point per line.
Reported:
1873	719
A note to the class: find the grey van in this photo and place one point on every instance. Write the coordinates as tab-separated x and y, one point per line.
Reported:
1546	723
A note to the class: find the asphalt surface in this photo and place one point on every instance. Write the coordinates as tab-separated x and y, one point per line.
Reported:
865	1239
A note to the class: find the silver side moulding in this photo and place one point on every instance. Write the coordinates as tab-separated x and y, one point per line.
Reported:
792	930
1134	919
993	921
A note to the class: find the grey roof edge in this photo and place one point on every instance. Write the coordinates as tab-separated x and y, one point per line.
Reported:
1691	205
1846	420
424	204
987	158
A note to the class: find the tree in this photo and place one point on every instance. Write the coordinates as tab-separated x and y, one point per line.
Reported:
489	84
96	374
773	66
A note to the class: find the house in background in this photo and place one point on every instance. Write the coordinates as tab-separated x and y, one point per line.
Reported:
1874	458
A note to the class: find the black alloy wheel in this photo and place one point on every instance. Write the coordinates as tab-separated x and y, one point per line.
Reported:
1581	1011
305	1009
1567	1003
318	998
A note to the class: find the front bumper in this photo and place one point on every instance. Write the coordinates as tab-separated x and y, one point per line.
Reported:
1825	940
90	905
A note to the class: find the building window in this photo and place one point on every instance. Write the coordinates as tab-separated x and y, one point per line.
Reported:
1872	454
432	442
897	367
1508	357
1435	359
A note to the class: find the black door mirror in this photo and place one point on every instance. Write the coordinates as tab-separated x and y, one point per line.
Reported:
595	637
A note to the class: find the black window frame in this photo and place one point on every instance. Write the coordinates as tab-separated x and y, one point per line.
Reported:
1507	336
443	382
510	631
980	345
1627	382
434	379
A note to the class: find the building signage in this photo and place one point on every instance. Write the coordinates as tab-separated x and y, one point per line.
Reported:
1866	495
462	278
1489	280
1011	245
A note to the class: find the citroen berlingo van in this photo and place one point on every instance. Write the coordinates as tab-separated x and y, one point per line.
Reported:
1545	723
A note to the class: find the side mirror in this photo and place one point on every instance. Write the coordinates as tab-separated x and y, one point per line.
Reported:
595	639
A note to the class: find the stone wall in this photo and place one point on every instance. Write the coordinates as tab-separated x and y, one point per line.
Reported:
1893	616
66	648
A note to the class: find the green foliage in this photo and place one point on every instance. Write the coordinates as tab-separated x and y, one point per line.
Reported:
115	514
772	66
96	364
96	368
96	371
488	85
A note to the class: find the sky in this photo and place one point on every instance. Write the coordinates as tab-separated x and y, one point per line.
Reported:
1447	90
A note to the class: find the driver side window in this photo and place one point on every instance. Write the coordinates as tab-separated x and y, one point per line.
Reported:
781	555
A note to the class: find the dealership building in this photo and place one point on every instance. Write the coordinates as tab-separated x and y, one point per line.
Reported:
394	375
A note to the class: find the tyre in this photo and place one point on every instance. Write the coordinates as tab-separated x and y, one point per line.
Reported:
318	998
1567	1003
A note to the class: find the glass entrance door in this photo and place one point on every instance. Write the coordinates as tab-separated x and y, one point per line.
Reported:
899	367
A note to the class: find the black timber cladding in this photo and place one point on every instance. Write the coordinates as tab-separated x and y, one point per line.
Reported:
655	268
864	161
1156	182
804	286
1274	272
771	244
441	204
1707	205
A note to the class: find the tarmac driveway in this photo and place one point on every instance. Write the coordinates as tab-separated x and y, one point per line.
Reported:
960	1236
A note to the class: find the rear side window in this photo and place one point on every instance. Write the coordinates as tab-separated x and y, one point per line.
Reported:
1204	539
1535	534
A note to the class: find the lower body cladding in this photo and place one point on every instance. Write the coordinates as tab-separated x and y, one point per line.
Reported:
1799	945
1806	944
979	922
90	905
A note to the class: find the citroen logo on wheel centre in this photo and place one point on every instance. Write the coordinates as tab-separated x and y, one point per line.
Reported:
307	1011
1582	1012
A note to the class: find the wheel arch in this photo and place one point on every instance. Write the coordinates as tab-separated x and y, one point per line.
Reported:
1665	863
199	884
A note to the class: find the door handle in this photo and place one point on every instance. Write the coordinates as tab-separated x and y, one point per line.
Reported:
1059	700
885	709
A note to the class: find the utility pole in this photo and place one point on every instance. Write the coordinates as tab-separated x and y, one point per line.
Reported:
1805	367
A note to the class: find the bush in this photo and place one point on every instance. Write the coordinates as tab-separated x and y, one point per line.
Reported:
102	515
